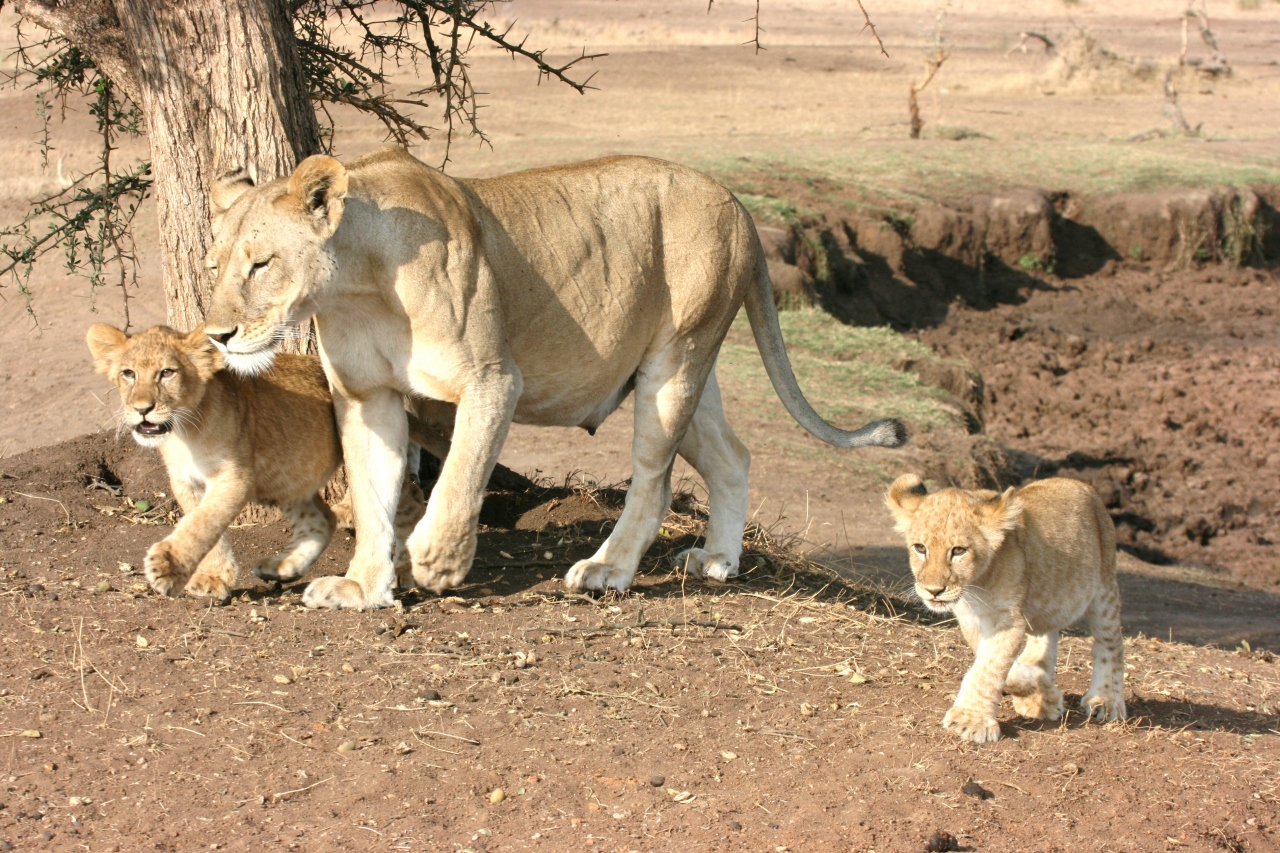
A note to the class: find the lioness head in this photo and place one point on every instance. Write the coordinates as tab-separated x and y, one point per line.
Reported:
952	535
271	256
161	376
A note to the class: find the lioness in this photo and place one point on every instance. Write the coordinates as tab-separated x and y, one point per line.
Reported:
1015	569
545	297
227	440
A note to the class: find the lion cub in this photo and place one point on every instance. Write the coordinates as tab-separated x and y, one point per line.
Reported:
227	440
1015	569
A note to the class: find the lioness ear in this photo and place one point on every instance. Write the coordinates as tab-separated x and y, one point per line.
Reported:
105	343
229	187
319	184
904	499
204	355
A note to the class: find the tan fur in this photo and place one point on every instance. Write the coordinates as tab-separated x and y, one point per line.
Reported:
544	297
227	440
1015	569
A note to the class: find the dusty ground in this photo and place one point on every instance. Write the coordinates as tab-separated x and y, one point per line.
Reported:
781	712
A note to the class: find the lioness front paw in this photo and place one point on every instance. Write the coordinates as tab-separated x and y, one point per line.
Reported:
165	569
977	726
587	574
1102	706
1044	705
210	585
438	566
339	593
703	564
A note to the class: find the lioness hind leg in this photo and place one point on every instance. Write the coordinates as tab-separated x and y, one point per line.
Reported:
408	513
1030	682
312	523
666	391
1105	699
722	461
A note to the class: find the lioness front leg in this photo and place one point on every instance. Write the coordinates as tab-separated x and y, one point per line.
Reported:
973	716
172	560
444	542
374	435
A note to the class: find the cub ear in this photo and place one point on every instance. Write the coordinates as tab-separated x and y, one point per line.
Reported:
903	499
105	342
319	185
228	187
1001	515
206	357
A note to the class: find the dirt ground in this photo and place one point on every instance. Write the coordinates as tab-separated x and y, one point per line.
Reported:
784	711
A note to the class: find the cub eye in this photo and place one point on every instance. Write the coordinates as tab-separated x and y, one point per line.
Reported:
920	549
958	552
167	372
127	374
259	267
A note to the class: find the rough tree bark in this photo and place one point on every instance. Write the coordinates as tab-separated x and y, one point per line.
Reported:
220	87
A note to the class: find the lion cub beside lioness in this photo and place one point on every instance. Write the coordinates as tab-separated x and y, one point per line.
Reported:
1015	569
227	440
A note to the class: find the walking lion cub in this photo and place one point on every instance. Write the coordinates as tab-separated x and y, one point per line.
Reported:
1015	569
227	440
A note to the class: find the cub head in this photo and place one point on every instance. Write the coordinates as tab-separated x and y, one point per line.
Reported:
161	376
952	536
271	256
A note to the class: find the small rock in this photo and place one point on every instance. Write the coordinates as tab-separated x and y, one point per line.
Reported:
429	695
347	746
282	679
346	667
728	756
941	842
734	825
973	789
657	781
103	586
47	835
497	796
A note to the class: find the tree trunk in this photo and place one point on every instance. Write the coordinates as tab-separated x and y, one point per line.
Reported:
220	86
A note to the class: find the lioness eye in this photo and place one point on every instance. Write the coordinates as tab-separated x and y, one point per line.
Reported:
958	551
258	267
167	372
920	549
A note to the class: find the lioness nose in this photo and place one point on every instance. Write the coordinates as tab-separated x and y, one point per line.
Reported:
933	590
222	337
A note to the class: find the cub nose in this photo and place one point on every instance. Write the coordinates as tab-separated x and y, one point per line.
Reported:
144	410
222	337
933	590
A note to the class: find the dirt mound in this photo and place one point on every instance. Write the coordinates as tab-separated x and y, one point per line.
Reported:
510	714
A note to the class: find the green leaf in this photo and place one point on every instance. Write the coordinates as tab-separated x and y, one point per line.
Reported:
141	506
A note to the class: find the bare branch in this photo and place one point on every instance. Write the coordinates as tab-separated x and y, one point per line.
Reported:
870	26
92	26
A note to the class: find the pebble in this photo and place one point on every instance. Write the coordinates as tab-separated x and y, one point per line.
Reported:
973	789
497	796
941	842
347	746
346	667
657	781
734	825
429	695
103	586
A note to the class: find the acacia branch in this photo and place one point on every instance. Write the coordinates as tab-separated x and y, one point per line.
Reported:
91	26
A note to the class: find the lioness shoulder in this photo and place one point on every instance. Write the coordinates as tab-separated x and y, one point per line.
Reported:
1015	569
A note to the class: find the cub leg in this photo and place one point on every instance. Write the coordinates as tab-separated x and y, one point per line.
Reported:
1030	682
172	560
444	541
667	388
374	437
217	574
312	523
722	461
1105	699
408	514
973	715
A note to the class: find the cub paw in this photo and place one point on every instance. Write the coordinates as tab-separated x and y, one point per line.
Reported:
281	569
1102	707
339	593
587	574
1044	705
703	564
976	726
210	585
165	569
